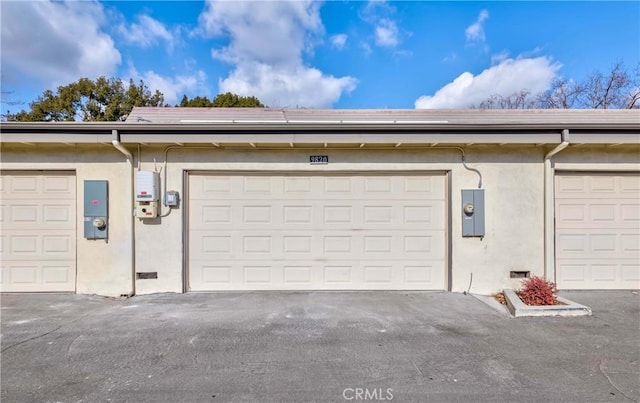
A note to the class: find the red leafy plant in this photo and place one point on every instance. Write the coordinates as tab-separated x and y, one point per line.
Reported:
538	291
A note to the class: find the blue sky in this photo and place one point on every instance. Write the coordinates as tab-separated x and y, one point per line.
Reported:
333	54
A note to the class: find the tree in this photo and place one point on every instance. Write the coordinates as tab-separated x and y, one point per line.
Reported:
105	99
616	89
517	100
229	100
5	100
561	95
197	102
226	100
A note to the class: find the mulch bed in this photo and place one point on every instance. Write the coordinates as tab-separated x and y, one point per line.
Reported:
501	299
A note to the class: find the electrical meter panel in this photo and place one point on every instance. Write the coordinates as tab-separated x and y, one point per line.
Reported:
147	186
473	213
96	209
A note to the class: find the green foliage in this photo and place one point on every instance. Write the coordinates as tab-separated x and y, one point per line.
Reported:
197	102
227	100
105	99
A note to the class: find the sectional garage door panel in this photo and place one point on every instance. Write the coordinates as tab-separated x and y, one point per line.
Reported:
38	245
598	231
349	232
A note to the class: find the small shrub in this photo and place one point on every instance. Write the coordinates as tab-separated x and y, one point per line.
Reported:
538	291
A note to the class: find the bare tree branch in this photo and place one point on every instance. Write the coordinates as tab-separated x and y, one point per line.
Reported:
618	89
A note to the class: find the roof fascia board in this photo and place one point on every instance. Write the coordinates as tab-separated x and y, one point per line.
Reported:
82	138
335	137
124	127
605	138
341	138
70	132
286	138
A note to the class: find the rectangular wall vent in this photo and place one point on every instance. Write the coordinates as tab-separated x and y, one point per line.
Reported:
147	275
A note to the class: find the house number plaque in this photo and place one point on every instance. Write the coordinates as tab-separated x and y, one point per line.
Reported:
318	159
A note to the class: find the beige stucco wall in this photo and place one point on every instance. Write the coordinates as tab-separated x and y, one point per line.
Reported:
102	267
513	179
608	158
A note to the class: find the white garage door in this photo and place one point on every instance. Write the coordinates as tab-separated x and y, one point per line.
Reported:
316	232
597	231
38	218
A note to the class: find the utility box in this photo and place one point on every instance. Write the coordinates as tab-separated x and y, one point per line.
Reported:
171	198
147	186
147	194
147	209
473	213
96	209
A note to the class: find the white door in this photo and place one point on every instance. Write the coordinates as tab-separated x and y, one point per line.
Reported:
275	231
38	219
597	230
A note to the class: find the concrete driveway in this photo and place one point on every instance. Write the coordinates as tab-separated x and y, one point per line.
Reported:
318	346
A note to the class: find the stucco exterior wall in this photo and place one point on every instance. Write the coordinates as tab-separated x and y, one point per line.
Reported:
512	176
598	158
512	179
103	267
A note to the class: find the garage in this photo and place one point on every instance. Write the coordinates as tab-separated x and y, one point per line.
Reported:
597	230
317	231
38	217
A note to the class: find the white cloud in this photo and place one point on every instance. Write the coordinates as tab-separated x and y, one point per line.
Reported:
386	32
475	31
378	13
506	78
374	7
267	41
269	32
287	87
172	87
450	57
146	32
366	48
339	40
499	57
56	42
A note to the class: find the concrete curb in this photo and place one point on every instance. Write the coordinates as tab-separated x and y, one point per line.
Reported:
519	309
493	303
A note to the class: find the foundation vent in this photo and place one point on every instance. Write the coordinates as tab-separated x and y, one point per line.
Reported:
147	275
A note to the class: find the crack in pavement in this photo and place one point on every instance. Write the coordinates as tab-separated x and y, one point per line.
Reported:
611	382
45	333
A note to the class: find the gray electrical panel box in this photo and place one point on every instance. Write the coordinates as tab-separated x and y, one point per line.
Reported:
96	209
473	212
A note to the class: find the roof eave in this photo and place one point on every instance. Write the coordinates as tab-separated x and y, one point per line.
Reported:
407	133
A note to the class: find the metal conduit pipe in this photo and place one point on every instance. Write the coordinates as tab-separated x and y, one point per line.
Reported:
115	140
464	162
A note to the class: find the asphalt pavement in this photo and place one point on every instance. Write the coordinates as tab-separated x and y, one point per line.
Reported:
314	347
